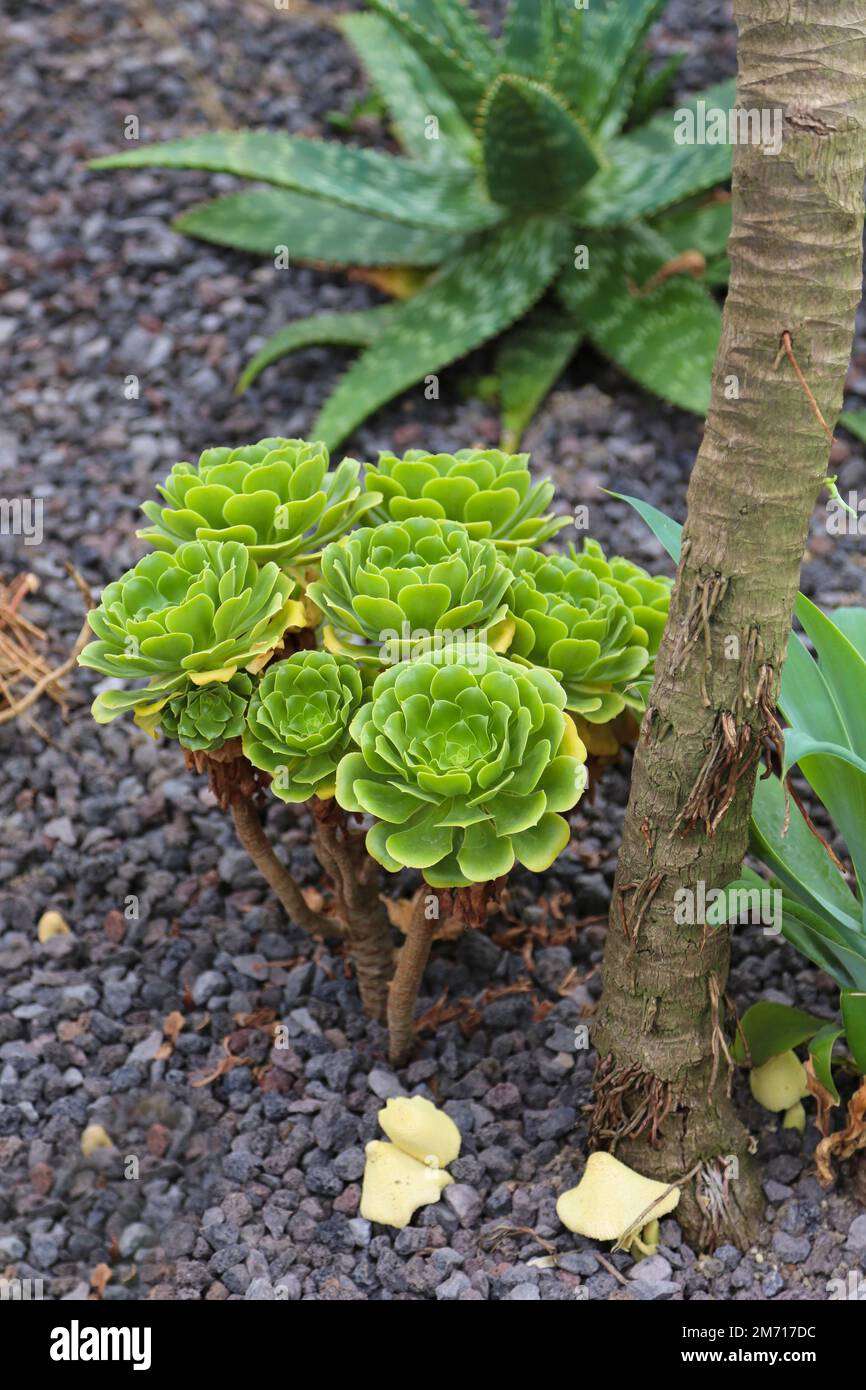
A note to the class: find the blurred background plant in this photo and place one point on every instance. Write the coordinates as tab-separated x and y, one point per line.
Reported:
524	162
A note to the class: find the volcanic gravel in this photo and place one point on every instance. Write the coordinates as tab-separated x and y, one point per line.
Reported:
242	1181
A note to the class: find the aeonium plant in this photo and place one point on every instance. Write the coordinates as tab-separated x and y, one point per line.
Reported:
358	671
466	767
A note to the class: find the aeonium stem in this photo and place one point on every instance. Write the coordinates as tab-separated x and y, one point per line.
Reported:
252	836
366	924
411	963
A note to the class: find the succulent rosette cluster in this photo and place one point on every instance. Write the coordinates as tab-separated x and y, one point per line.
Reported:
277	498
595	623
192	616
298	722
489	491
385	589
204	717
467	767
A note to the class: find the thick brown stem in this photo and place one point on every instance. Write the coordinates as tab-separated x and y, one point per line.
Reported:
367	928
403	994
662	1093
251	834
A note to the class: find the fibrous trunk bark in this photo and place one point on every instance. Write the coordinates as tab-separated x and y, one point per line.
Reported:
662	1093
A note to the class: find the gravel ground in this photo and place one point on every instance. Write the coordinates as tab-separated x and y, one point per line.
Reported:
247	1184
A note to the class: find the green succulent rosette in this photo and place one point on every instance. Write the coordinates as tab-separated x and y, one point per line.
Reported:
298	722
276	497
595	623
204	717
192	616
489	491
466	767
392	589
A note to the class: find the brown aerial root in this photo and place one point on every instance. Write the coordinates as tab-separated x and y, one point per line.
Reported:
642	893
719	1042
714	1198
628	1102
735	747
708	593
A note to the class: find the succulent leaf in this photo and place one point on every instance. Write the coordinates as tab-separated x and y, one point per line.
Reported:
298	722
595	623
461	763
276	497
489	491
197	614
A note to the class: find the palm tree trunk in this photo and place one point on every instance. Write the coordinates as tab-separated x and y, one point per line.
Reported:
662	1088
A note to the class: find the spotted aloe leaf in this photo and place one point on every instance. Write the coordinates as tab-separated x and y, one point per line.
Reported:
382	184
466	766
531	359
490	492
536	152
392	587
265	219
196	614
427	120
662	330
595	623
469	301
298	722
276	497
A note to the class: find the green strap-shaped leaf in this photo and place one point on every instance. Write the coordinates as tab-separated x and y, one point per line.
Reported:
664	336
356	329
531	358
261	219
844	671
766	1029
648	171
411	93
851	622
465	65
780	835
854	1018
473	298
612	34
821	1053
379	183
838	776
531	28
536	155
839	952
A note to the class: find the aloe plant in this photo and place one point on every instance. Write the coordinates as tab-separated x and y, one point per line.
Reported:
520	160
396	585
276	497
467	768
